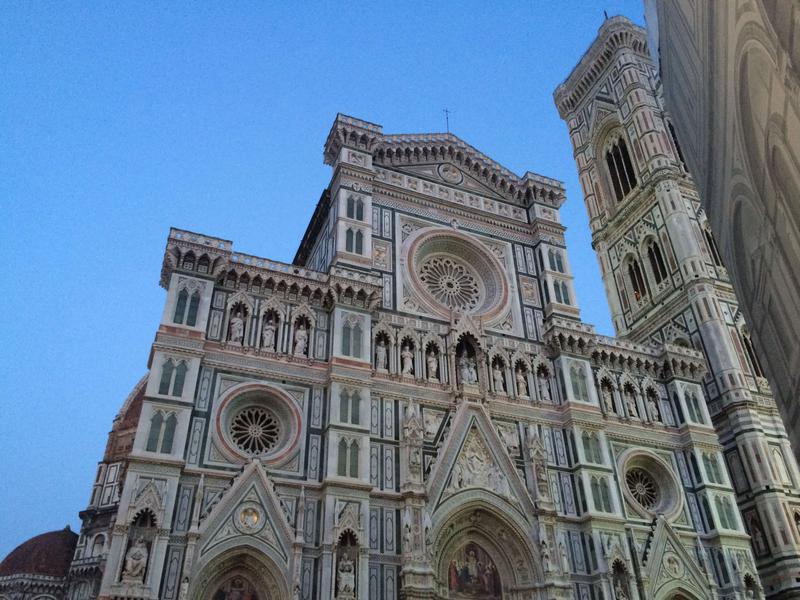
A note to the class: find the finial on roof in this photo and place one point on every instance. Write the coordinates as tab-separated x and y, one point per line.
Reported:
605	12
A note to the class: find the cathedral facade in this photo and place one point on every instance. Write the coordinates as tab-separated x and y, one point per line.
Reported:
414	409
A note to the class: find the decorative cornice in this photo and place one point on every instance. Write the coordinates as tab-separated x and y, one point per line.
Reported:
615	34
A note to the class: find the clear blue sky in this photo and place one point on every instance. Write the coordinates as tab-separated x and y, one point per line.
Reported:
119	120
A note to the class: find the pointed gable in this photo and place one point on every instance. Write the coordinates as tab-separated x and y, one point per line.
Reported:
249	509
671	566
475	458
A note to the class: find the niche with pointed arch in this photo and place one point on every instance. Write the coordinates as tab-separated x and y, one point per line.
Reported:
258	421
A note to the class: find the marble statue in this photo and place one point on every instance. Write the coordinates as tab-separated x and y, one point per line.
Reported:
467	369
630	404
547	566
407	360
237	328
183	594
608	400
544	392
653	407
619	593
522	383
268	335
562	550
135	562
433	366
499	380
347	578
380	355
300	340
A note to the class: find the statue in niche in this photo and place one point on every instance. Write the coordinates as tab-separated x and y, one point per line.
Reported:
413	435
380	355
345	571
522	383
565	566
499	380
268	335
630	404
619	591
433	366
652	406
544	391
407	360
547	565
135	562
608	399
467	369
538	457
300	340
237	328
183	594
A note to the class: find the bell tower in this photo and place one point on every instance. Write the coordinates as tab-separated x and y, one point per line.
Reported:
666	284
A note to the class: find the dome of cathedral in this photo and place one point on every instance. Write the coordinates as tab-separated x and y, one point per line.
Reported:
47	554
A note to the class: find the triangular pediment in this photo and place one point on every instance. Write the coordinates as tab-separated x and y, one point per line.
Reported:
250	509
475	458
600	109
449	174
670	565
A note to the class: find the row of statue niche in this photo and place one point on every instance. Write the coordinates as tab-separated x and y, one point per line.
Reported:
467	369
268	334
406	360
629	398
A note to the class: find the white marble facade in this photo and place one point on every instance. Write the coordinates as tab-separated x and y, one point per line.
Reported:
416	411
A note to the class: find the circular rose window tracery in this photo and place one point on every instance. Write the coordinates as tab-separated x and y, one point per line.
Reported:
651	487
642	487
255	430
257	420
450	270
451	282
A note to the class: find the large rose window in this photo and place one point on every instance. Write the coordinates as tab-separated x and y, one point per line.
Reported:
452	271
642	487
258	420
451	282
650	485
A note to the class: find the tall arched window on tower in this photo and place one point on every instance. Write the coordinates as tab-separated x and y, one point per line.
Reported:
181	309
162	432
712	247
657	264
677	145
636	278
355	208
349	240
359	242
194	305
180	306
351	337
620	169
751	354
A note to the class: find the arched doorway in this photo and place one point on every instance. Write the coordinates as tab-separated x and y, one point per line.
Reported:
240	573
237	587
483	552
